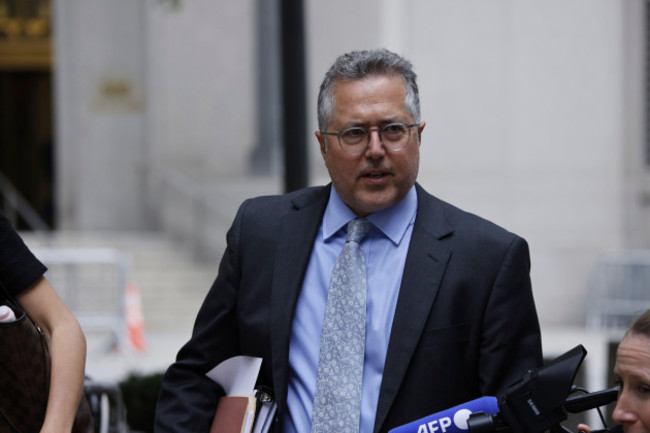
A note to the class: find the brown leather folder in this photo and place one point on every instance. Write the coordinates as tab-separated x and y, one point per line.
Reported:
231	415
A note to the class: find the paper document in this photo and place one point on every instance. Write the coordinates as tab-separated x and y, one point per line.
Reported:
266	407
237	375
236	410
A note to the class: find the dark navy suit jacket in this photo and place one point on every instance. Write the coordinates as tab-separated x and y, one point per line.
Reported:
465	323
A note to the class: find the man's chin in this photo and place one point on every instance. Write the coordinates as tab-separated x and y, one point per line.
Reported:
374	203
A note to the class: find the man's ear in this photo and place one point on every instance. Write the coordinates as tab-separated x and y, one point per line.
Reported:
420	129
322	141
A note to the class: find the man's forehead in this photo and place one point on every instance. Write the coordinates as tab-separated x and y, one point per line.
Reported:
368	89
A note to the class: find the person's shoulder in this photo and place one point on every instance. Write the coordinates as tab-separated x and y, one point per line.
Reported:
20	268
460	220
269	205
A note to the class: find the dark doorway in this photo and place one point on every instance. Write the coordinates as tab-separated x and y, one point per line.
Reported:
26	120
26	138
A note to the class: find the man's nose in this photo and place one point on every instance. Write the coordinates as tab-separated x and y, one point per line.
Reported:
375	145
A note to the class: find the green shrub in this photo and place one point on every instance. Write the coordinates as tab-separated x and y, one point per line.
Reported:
140	394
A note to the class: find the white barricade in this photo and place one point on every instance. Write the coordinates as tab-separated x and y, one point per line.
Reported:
91	282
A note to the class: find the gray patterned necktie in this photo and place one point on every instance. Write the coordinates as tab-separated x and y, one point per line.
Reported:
337	400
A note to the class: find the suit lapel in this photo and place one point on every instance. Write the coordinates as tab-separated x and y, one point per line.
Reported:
296	239
423	271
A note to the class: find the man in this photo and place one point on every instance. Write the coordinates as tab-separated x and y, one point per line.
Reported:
449	313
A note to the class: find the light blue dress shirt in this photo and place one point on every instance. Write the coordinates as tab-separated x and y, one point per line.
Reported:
385	248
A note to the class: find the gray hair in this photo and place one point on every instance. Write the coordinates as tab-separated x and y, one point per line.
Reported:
361	64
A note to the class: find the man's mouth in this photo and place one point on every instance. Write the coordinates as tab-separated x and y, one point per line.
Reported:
375	177
375	173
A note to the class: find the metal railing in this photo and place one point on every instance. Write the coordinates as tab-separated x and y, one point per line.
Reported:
14	205
91	282
192	214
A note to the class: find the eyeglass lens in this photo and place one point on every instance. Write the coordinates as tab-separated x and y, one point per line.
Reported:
394	136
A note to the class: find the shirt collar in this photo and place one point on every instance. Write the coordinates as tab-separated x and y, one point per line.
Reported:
392	222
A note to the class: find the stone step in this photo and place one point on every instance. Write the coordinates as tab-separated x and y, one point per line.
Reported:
172	283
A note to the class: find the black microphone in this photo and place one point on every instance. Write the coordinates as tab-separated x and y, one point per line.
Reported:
591	400
616	429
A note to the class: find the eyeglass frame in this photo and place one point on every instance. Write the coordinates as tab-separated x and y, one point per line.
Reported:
338	135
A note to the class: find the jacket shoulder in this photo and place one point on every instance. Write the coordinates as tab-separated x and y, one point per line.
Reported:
438	213
270	205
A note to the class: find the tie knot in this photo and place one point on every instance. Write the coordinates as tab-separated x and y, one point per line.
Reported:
357	229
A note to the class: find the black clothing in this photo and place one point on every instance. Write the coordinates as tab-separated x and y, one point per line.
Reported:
19	268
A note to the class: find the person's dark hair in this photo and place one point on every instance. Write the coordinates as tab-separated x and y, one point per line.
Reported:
641	326
361	64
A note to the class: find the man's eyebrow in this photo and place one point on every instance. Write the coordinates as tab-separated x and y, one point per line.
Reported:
381	123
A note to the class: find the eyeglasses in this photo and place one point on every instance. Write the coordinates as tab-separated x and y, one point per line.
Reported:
355	140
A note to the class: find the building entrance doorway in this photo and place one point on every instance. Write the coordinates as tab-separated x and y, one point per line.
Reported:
26	112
